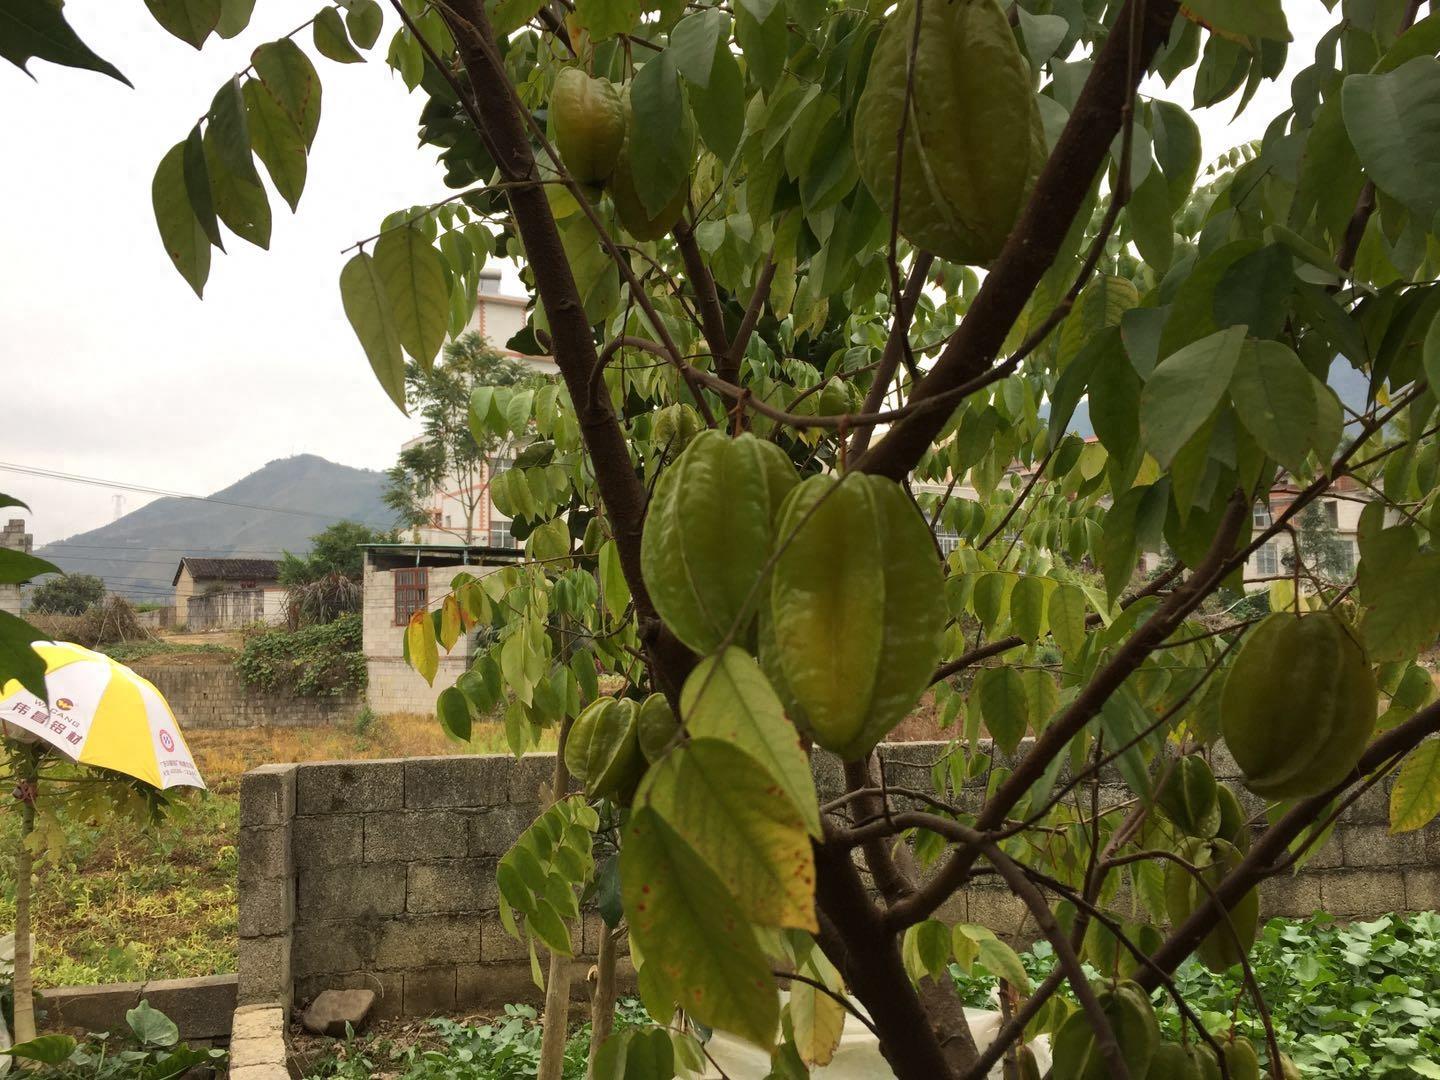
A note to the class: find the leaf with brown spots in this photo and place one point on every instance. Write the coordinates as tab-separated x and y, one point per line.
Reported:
699	949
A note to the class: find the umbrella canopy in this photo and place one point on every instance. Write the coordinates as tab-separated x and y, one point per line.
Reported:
103	714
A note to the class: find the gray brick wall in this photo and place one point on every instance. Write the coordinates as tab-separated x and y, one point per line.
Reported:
382	874
213	696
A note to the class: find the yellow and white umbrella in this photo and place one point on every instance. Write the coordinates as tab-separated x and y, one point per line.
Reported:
103	714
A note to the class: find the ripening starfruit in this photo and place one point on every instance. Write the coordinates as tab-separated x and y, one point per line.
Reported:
656	726
1234	822
602	750
1190	797
708	536
1241	1060
857	609
1232	937
674	427
1174	1062
1299	704
1027	1065
1126	1006
587	118
974	143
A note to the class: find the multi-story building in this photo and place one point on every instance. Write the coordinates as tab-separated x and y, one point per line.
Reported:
14	537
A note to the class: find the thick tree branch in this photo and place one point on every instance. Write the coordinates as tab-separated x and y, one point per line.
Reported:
707	299
1059	193
895	346
730	370
890	881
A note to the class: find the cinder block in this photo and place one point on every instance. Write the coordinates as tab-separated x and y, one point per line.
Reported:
1222	763
351	892
430	992
267	795
531	778
93	1008
323	948
266	907
497	946
452	885
1373	845
489	987
1293	896
996	909
1422	889
257	1022
264	853
421	941
1371	808
1361	892
1329	856
494	830
415	834
482	780
263	966
327	840
336	787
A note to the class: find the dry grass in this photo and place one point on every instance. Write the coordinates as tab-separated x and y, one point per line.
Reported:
123	906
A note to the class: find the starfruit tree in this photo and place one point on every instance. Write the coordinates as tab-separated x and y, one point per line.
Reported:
823	280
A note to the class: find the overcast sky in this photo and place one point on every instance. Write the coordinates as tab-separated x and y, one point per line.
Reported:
122	373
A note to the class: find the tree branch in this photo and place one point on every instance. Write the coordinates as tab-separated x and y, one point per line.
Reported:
712	315
1037	237
895	346
730	370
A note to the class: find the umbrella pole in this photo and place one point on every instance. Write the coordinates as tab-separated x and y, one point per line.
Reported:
24	985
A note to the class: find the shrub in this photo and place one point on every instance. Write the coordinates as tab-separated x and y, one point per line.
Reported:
316	661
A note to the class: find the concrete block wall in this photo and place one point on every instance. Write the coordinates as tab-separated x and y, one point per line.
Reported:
214	696
381	874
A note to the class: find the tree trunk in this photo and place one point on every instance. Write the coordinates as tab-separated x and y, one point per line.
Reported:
556	1020
24	985
602	1004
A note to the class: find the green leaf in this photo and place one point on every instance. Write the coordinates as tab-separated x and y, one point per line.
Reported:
364	19
694	43
197	186
700	950
192	21
723	803
293	82
1254	289
1247	18
414	277
47	1049
1415	798
1392	573
994	955
719	108
453	712
508	16
1274	396
240	199
603	18
367	306
18	566
1066	612
1152	227
1000	693
1177	146
332	41
151	1026
234	17
1027	608
18	660
728	697
1391	122
180	230
1185	389
1431	353
276	141
660	151
763	40
36	29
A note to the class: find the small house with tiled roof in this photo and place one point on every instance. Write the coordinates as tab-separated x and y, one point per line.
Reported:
224	593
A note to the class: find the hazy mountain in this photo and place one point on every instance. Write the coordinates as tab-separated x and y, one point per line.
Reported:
276	508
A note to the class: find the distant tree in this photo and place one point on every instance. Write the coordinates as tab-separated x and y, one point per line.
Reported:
1323	552
334	550
69	594
440	397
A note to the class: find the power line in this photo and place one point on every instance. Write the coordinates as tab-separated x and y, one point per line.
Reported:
95	481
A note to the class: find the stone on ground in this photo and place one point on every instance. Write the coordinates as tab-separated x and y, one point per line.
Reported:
333	1009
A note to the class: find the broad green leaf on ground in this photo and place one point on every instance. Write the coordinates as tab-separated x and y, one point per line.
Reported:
1241	18
47	1049
151	1026
294	83
192	21
414	277
1275	398
696	942
36	29
1415	799
728	697
368	308
1184	390
180	230
332	40
276	141
1000	693
1392	121
660	150
725	805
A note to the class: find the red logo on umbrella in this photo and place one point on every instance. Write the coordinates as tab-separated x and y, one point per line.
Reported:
166	741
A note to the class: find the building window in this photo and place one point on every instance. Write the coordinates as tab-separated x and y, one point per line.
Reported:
500	534
1261	515
1347	556
1332	514
1267	560
412	593
947	540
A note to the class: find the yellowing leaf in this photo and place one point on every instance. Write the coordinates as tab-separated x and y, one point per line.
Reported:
449	622
818	1021
1415	799
420	646
699	949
